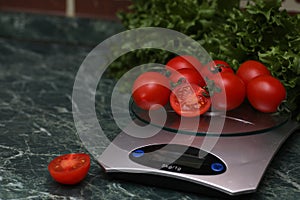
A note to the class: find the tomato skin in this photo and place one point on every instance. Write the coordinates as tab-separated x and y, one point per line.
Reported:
150	90
190	75
69	168
251	69
231	86
265	93
183	62
215	67
189	100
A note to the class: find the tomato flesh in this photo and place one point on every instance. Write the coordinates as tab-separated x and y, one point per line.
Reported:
69	168
189	100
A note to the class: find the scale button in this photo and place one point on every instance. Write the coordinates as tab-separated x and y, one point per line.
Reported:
138	153
217	167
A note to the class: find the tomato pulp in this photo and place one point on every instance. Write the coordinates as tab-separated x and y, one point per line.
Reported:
69	168
189	100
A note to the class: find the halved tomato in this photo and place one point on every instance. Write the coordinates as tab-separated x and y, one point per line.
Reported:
189	100
69	168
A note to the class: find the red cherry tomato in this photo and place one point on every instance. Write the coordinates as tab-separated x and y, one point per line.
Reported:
182	62
232	91
69	168
189	75
265	93
150	90
214	67
251	69
189	100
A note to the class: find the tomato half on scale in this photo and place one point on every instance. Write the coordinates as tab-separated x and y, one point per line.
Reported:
266	93
189	100
151	90
69	168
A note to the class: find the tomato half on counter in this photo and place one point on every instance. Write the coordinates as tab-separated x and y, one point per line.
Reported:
69	168
189	100
151	90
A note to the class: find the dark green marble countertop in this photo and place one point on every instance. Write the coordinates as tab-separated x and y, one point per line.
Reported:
39	58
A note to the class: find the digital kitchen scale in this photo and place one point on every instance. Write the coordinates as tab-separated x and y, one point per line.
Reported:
177	157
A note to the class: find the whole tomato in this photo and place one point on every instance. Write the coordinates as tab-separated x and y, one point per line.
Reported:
151	90
189	75
214	67
231	91
183	62
189	100
265	93
251	69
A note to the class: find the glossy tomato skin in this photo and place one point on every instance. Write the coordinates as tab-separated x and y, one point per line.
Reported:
189	100
189	75
69	168
151	90
215	67
251	69
265	93
232	92
183	62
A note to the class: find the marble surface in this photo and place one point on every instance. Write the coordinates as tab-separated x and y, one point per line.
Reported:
39	59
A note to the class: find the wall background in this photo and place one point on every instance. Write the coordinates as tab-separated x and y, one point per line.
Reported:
105	9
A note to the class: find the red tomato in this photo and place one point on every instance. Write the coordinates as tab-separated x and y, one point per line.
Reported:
189	100
182	62
150	90
265	93
69	168
190	75
214	67
231	87
251	69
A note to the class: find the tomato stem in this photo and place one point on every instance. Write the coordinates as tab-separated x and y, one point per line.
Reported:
211	87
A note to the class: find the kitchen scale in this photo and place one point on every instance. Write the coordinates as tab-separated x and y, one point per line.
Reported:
174	156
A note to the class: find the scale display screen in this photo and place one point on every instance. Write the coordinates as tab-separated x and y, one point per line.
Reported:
178	158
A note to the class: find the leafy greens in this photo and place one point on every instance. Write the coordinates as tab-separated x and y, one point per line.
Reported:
262	31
